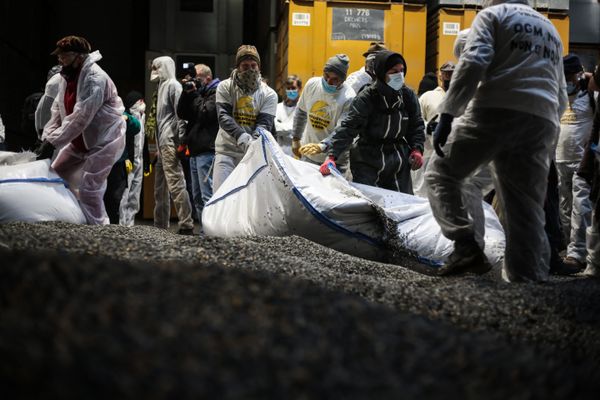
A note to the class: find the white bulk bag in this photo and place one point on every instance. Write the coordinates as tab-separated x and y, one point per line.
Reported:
270	193
31	192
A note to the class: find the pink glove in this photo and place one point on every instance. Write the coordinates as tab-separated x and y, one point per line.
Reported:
325	166
415	159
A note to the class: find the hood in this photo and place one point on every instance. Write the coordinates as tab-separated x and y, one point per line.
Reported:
383	62
165	66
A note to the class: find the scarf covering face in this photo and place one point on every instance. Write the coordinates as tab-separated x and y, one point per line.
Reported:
248	81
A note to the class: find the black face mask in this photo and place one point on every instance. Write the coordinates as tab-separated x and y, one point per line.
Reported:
446	84
69	71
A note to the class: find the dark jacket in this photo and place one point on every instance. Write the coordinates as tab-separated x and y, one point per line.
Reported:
389	126
589	168
199	109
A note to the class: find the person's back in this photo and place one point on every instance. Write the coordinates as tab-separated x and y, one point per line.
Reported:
515	56
510	74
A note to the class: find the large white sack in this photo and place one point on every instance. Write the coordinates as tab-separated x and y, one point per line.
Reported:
270	193
31	192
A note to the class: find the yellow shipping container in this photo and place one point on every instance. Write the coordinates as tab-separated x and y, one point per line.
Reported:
310	32
444	23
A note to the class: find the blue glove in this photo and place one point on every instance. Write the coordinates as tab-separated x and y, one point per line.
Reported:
441	133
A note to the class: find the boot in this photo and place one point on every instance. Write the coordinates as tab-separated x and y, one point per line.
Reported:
466	257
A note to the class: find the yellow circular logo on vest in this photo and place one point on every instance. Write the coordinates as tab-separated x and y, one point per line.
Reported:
244	113
320	115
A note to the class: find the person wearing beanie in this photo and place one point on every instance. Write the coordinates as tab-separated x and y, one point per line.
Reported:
509	103
575	207
429	102
323	104
246	105
86	125
385	124
130	201
364	76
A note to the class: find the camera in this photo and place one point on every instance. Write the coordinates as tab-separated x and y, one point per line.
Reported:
189	85
583	82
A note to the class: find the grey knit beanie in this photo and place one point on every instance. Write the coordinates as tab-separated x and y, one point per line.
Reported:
338	64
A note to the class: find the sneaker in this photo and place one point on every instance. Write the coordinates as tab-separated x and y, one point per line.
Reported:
573	262
466	257
592	271
183	231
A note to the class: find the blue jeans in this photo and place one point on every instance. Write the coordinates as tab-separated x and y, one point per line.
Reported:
200	170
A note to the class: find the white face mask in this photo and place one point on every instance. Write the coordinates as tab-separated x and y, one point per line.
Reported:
396	81
154	76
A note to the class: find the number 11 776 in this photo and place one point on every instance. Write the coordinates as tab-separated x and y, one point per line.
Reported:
360	12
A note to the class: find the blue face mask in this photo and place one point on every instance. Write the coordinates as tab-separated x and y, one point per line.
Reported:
396	81
571	88
327	87
292	94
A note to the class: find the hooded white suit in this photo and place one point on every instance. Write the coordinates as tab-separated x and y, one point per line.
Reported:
97	117
169	177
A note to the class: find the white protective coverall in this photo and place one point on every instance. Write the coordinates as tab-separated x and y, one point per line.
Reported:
168	173
239	113
358	79
97	117
575	206
511	69
284	122
43	112
429	102
130	203
325	112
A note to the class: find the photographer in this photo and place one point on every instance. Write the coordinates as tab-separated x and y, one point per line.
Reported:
198	107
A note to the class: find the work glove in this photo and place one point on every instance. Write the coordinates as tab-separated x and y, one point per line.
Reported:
44	150
431	125
244	141
128	166
148	170
324	168
415	159
296	148
441	133
181	151
312	149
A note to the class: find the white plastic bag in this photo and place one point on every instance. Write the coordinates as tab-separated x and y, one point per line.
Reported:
31	192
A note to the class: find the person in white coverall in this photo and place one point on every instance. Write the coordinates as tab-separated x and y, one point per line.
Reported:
43	112
244	104
510	75
574	192
169	180
284	116
130	202
429	102
86	125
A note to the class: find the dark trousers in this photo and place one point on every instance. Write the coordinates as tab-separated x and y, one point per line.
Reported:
115	186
